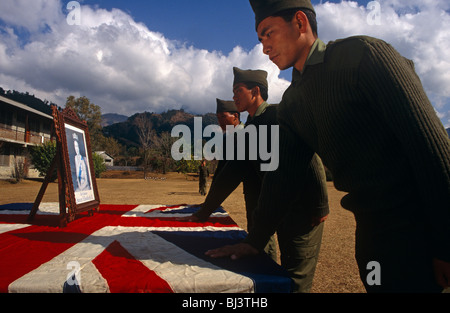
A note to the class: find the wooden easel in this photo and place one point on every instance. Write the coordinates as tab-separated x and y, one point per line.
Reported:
67	204
56	163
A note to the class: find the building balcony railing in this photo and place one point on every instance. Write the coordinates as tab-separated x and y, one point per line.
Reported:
22	137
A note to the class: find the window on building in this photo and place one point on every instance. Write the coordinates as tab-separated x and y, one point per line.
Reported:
4	154
5	118
34	125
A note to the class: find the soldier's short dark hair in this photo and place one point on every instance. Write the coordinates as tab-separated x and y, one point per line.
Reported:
289	14
263	89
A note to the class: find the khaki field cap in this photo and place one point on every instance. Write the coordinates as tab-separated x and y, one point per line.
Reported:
266	8
226	106
250	76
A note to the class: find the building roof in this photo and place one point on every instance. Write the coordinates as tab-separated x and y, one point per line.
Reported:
24	107
104	152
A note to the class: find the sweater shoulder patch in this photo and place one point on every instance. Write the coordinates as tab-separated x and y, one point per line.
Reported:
347	53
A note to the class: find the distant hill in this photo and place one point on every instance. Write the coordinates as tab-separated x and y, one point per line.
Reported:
126	132
27	99
448	132
112	118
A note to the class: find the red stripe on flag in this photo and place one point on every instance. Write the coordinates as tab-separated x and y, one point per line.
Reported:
126	274
24	250
162	208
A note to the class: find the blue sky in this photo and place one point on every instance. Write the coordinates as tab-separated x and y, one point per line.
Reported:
134	56
206	24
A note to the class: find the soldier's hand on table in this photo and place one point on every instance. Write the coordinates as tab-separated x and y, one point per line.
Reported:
191	218
235	252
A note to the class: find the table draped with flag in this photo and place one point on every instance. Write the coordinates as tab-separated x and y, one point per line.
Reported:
127	249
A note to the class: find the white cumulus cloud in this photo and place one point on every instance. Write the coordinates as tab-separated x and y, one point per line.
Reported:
118	63
125	67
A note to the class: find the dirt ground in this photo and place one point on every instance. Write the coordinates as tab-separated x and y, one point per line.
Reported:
336	270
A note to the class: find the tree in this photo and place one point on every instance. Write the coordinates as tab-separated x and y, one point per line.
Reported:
162	145
99	165
145	133
42	157
21	166
90	113
187	166
109	145
86	111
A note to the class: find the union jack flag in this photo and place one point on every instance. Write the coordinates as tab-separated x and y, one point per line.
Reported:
127	248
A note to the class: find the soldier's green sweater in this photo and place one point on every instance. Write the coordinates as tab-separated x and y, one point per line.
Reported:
361	107
307	201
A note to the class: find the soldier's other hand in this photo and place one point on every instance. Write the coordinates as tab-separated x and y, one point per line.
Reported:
235	252
317	220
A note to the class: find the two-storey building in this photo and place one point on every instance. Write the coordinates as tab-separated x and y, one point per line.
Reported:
21	127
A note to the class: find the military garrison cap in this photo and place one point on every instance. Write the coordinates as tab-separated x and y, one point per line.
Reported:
250	76
266	8
226	106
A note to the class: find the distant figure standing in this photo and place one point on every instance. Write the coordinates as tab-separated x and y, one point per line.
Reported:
203	174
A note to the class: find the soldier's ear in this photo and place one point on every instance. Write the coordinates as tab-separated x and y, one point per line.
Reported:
256	91
301	20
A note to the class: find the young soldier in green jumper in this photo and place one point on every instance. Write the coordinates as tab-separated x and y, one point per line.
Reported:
300	235
360	105
227	115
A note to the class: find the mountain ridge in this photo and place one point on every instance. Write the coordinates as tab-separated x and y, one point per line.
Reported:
125	132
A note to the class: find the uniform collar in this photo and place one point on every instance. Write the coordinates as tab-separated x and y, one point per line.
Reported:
316	56
240	126
261	109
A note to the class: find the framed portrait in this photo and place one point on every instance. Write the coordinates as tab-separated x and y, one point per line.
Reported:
77	187
77	164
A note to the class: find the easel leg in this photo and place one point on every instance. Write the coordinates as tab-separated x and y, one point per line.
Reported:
62	196
41	193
